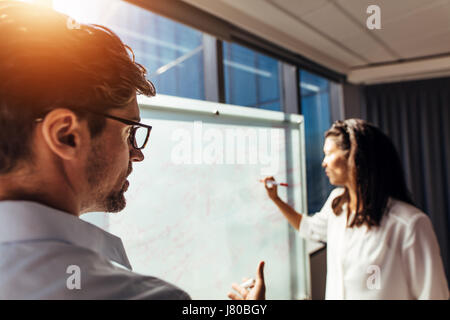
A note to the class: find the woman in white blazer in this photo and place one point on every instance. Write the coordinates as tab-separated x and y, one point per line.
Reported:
379	245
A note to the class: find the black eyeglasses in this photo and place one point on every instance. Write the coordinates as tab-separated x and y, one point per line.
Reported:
139	132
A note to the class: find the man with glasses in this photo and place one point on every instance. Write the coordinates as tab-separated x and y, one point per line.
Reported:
69	133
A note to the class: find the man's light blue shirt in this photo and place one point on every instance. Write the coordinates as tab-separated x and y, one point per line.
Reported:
50	254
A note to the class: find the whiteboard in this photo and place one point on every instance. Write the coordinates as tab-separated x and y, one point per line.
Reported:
197	215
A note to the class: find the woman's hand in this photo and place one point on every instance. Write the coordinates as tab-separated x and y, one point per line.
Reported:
258	290
272	190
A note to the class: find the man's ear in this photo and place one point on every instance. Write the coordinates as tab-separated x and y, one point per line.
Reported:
63	133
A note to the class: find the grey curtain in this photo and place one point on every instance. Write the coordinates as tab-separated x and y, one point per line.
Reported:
416	115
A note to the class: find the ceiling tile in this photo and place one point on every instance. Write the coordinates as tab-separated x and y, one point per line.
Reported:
300	8
428	47
342	55
369	48
332	22
417	24
390	10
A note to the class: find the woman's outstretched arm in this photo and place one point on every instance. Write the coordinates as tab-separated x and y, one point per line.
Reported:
293	217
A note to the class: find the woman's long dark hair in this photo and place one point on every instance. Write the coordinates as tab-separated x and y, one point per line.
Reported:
375	167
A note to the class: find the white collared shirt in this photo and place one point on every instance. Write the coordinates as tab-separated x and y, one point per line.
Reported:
49	254
398	260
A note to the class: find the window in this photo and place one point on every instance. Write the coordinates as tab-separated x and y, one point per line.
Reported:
171	52
315	105
251	78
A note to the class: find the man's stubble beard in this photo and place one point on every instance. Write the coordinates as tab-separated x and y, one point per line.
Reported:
97	172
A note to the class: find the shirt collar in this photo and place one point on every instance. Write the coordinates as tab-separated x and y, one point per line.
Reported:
27	220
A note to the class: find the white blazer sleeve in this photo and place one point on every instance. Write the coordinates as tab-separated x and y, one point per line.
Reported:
316	227
423	261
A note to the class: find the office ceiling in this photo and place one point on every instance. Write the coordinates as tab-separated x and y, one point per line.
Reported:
414	40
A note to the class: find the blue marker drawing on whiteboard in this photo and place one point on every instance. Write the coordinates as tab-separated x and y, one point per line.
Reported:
249	283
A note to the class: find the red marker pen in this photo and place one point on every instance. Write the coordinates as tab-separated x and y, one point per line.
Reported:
271	183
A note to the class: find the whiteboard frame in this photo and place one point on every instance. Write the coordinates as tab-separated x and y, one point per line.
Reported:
191	106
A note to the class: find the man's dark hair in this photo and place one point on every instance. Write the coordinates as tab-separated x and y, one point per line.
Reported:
375	166
47	61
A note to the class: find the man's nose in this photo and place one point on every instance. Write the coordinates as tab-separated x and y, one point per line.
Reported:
324	164
136	155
